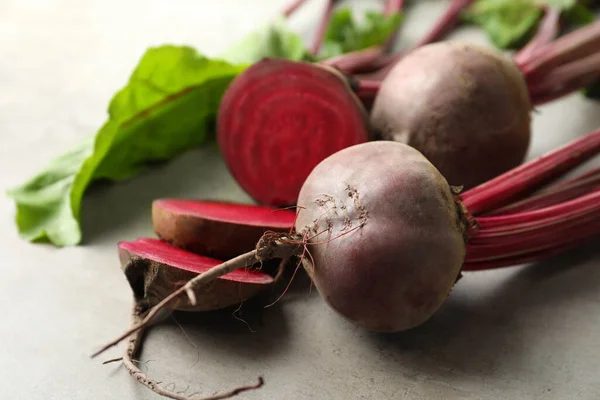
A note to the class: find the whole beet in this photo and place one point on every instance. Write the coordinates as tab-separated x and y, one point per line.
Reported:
464	106
386	235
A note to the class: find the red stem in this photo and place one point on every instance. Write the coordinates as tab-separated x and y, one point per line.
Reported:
571	47
558	193
556	219
446	23
566	79
322	29
529	220
356	61
392	7
381	66
499	191
292	7
546	33
367	89
353	62
378	64
520	245
520	235
531	256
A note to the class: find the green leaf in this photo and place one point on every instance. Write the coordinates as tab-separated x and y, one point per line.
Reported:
579	15
344	34
593	91
508	23
43	203
511	23
275	40
167	107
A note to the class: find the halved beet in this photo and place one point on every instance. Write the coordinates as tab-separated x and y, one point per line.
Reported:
279	119
155	269
216	229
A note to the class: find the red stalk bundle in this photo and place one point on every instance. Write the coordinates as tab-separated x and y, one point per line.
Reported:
558	218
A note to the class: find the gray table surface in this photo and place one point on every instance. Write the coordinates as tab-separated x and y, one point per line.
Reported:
528	332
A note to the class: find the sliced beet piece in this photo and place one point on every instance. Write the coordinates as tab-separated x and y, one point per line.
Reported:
279	119
216	229
155	269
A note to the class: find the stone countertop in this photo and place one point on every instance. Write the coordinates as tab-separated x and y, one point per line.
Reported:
527	332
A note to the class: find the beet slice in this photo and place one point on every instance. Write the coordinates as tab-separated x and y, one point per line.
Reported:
216	229
279	119
155	269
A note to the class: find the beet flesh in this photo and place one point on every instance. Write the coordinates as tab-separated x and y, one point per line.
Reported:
279	119
464	106
155	269
216	229
387	235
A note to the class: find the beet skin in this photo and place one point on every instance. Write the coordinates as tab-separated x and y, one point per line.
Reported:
387	235
465	107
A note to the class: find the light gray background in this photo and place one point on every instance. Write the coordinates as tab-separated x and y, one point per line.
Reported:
519	333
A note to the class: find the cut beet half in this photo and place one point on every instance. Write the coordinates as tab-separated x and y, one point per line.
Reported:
155	269
279	119
216	229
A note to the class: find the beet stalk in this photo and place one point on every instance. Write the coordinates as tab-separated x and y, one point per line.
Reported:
447	21
556	194
571	47
292	7
322	28
505	188
548	30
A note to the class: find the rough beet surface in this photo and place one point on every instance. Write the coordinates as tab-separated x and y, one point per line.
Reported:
464	106
387	235
279	119
154	270
216	229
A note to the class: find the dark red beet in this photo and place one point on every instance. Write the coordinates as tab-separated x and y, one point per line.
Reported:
216	229
467	107
279	119
155	269
464	106
386	235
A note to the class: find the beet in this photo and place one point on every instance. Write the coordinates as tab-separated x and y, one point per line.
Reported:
279	119
385	276
216	229
467	108
464	106
155	269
